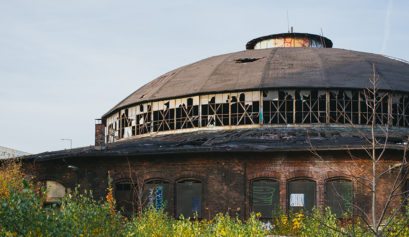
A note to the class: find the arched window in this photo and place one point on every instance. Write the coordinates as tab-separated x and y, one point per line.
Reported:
124	196
55	191
339	196
189	198
157	194
301	195
265	195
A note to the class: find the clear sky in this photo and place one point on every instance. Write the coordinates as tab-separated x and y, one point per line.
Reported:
64	63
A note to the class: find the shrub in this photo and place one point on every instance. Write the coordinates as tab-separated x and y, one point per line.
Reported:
151	223
81	215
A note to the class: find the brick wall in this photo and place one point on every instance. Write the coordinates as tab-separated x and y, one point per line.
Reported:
225	177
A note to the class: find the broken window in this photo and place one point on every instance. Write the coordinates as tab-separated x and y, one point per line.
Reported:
310	106
265	197
164	115
339	196
344	106
187	113
124	196
399	106
143	119
278	107
244	108
189	198
111	131
381	113
55	191
301	195
215	110
157	195
125	129
382	116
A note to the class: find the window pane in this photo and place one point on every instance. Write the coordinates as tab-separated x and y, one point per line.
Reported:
189	199
266	196
157	195
124	198
301	195
338	196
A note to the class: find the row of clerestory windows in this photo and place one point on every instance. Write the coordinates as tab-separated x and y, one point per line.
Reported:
267	107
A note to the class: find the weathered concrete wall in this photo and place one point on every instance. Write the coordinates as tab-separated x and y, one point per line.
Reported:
225	177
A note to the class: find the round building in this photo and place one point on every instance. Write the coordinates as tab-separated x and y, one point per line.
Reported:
283	125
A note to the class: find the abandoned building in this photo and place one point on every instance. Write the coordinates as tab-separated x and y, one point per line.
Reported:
277	126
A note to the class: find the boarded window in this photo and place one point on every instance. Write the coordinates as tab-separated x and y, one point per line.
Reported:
124	196
189	198
157	194
338	196
54	191
301	195
265	197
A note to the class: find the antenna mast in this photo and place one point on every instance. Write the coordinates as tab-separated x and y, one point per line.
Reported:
322	40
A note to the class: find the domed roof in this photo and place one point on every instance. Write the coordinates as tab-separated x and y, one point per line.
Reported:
275	68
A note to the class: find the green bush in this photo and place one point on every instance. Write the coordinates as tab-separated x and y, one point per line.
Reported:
81	215
21	214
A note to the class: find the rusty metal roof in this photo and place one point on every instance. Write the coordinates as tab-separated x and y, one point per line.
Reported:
274	68
236	141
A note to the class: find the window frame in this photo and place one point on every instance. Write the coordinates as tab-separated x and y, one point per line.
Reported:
335	179
194	180
251	198
167	203
301	178
132	197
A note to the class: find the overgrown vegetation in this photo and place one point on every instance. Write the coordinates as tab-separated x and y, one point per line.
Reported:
23	213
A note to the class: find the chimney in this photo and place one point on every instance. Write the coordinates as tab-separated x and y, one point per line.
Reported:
99	133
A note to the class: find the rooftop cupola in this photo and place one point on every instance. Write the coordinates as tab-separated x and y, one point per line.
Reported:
289	40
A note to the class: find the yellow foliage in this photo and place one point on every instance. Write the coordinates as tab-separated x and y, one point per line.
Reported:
111	200
297	221
11	177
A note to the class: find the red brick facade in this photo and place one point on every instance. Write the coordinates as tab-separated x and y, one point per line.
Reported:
226	178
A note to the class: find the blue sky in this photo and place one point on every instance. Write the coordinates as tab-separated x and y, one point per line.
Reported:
65	63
